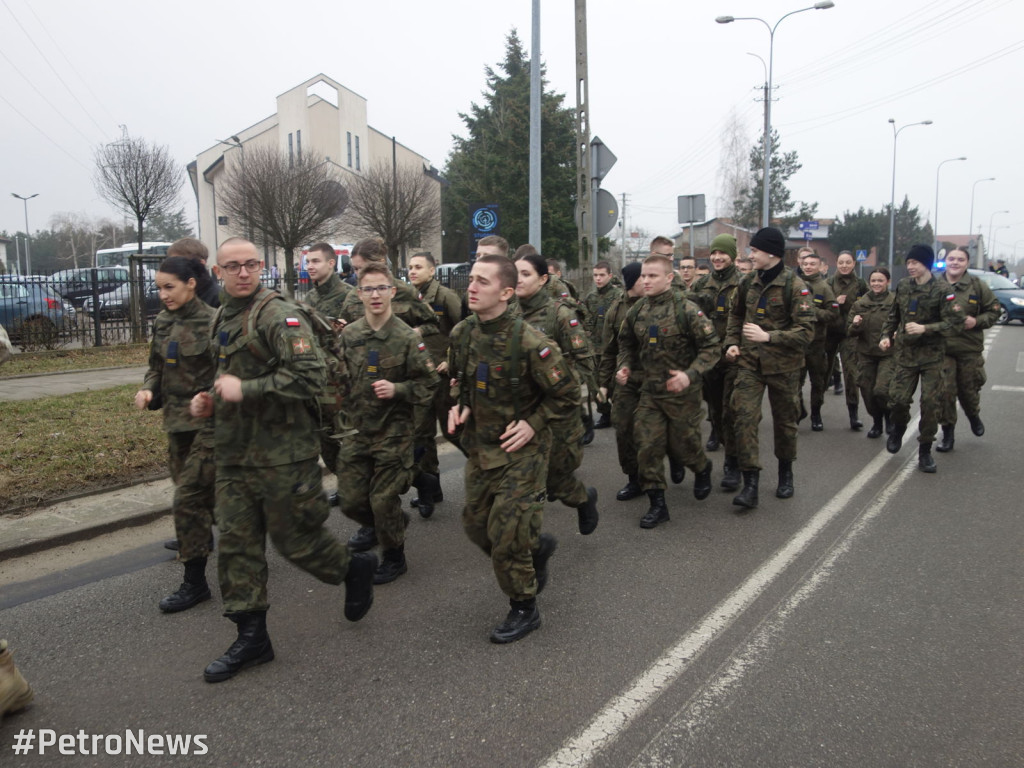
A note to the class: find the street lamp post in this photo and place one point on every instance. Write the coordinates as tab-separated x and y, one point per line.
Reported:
970	227
28	237
994	233
935	217
766	177
892	204
990	232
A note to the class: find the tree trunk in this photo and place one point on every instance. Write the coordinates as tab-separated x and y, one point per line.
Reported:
289	273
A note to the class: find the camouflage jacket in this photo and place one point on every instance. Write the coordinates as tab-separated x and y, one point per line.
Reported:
714	293
394	353
977	300
329	298
663	333
932	305
874	311
557	321
447	308
181	362
610	354
852	287
826	308
282	371
480	363
783	308
597	303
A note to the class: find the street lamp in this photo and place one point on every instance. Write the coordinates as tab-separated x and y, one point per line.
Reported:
28	247
892	205
990	220
994	233
766	179
970	227
935	217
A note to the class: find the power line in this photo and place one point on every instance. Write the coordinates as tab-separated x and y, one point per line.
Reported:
45	135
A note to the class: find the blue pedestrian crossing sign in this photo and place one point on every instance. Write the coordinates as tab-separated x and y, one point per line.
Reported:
862	254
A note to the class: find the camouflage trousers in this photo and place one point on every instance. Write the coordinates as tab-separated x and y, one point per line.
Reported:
963	376
428	420
846	349
286	502
329	445
190	456
816	369
668	426
784	399
372	476
605	408
565	458
624	403
873	377
901	395
718	386
503	515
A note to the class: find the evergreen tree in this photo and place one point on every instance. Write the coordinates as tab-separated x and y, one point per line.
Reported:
869	229
491	163
783	212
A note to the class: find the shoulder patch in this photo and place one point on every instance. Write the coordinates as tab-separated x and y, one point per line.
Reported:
574	322
292	322
544	353
805	292
950	297
421	346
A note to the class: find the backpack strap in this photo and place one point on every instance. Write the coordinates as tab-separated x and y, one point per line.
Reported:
514	347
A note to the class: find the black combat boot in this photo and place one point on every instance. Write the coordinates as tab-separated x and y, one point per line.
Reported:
945	445
588	431
713	442
658	512
748	496
895	441
438	497
702	483
172	544
888	422
603	422
363	539
630	490
587	513
391	567
730	474
429	487
334	499
359	585
193	591
855	423
251	648
522	619
876	429
677	472
803	410
837	382
976	426
546	546
925	462
785	489
816	424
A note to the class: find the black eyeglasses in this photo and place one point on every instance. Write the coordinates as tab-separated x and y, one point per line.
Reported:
234	267
371	289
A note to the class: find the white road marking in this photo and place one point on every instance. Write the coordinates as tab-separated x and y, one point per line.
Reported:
1001	388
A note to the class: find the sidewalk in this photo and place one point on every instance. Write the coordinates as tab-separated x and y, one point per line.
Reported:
55	384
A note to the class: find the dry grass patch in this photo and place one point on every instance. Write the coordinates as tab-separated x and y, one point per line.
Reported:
75	359
57	446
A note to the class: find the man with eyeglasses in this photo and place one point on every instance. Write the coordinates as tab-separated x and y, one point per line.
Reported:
688	271
266	448
389	375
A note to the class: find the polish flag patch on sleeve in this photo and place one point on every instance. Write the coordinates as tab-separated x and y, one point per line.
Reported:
292	322
544	353
421	346
950	297
574	322
805	292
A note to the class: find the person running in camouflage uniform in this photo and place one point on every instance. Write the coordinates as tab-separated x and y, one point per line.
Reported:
673	344
447	306
327	297
847	287
714	294
181	364
556	320
770	325
923	312
624	398
874	366
963	371
826	312
596	304
504	412
269	373
388	375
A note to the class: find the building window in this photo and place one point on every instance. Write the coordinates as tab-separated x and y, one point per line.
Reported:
357	153
349	143
291	151
298	145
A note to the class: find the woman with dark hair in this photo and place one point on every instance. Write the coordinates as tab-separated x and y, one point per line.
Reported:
181	364
558	322
874	366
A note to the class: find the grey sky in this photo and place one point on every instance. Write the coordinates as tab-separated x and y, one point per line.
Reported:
665	79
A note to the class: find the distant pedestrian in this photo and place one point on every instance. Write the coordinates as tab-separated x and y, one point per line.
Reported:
826	313
597	302
847	287
874	366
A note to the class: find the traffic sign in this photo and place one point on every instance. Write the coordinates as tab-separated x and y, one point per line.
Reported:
805	225
606	212
691	208
862	254
602	159
808	234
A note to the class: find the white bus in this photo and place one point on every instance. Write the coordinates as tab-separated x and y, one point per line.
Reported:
118	257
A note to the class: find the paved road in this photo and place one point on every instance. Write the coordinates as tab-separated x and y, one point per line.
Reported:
873	619
32	387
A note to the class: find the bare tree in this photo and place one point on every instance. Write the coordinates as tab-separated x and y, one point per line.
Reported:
137	178
396	204
734	165
78	238
286	202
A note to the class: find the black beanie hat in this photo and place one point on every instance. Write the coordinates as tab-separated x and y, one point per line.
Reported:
769	240
630	274
923	254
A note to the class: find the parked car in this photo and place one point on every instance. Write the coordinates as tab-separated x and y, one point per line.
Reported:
76	285
117	303
1010	296
31	311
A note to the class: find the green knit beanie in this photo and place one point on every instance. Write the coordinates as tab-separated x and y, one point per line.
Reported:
725	244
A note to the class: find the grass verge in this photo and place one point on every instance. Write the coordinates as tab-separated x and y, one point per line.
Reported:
75	359
57	446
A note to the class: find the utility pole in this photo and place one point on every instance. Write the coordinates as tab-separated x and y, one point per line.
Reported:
623	231
584	201
535	124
